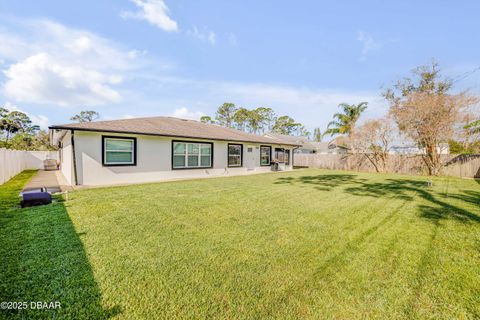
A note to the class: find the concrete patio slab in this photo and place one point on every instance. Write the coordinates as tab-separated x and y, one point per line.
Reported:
52	180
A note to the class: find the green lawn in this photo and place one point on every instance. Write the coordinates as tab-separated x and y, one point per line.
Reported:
304	244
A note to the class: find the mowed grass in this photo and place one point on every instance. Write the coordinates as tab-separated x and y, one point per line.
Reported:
305	244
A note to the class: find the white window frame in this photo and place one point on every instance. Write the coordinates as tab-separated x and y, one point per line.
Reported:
132	151
186	155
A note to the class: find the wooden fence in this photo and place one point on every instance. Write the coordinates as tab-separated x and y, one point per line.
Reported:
13	162
465	166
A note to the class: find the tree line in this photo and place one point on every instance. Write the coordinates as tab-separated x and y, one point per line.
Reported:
18	132
257	121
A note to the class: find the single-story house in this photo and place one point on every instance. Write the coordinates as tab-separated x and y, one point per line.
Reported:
162	148
307	146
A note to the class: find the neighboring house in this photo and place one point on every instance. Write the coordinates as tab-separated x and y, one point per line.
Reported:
325	148
162	148
442	148
307	146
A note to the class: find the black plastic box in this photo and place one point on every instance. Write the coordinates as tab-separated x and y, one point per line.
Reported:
35	198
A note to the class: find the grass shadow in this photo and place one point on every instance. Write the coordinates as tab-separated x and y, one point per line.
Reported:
321	182
43	259
404	189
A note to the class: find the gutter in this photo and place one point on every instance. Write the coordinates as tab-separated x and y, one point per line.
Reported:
172	135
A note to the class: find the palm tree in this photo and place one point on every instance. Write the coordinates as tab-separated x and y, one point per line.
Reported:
344	123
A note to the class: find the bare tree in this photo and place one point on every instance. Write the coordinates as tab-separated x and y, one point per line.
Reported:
429	120
427	112
373	141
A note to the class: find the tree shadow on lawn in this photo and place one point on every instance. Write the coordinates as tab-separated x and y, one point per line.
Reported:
404	189
43	259
320	182
435	208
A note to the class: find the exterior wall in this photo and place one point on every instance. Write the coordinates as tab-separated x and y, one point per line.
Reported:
66	158
154	160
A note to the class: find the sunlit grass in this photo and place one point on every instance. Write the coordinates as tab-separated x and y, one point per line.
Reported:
303	244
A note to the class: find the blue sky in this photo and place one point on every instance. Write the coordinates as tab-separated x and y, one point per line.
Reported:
184	58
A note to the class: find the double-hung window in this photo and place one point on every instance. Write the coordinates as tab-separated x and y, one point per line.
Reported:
119	151
191	155
265	154
235	155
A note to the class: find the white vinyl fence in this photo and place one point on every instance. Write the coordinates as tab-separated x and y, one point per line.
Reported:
12	162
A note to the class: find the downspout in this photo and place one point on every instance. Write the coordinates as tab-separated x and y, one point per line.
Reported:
74	159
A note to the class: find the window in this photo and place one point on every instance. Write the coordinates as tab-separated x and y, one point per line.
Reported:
235	155
280	155
287	157
265	153
119	151
191	155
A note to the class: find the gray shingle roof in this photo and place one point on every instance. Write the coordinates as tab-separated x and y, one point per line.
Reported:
172	127
307	144
297	140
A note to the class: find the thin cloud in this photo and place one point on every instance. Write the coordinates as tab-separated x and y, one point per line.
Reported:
203	35
155	12
232	39
369	44
185	113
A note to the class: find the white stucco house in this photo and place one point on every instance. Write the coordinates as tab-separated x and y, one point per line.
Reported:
162	148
